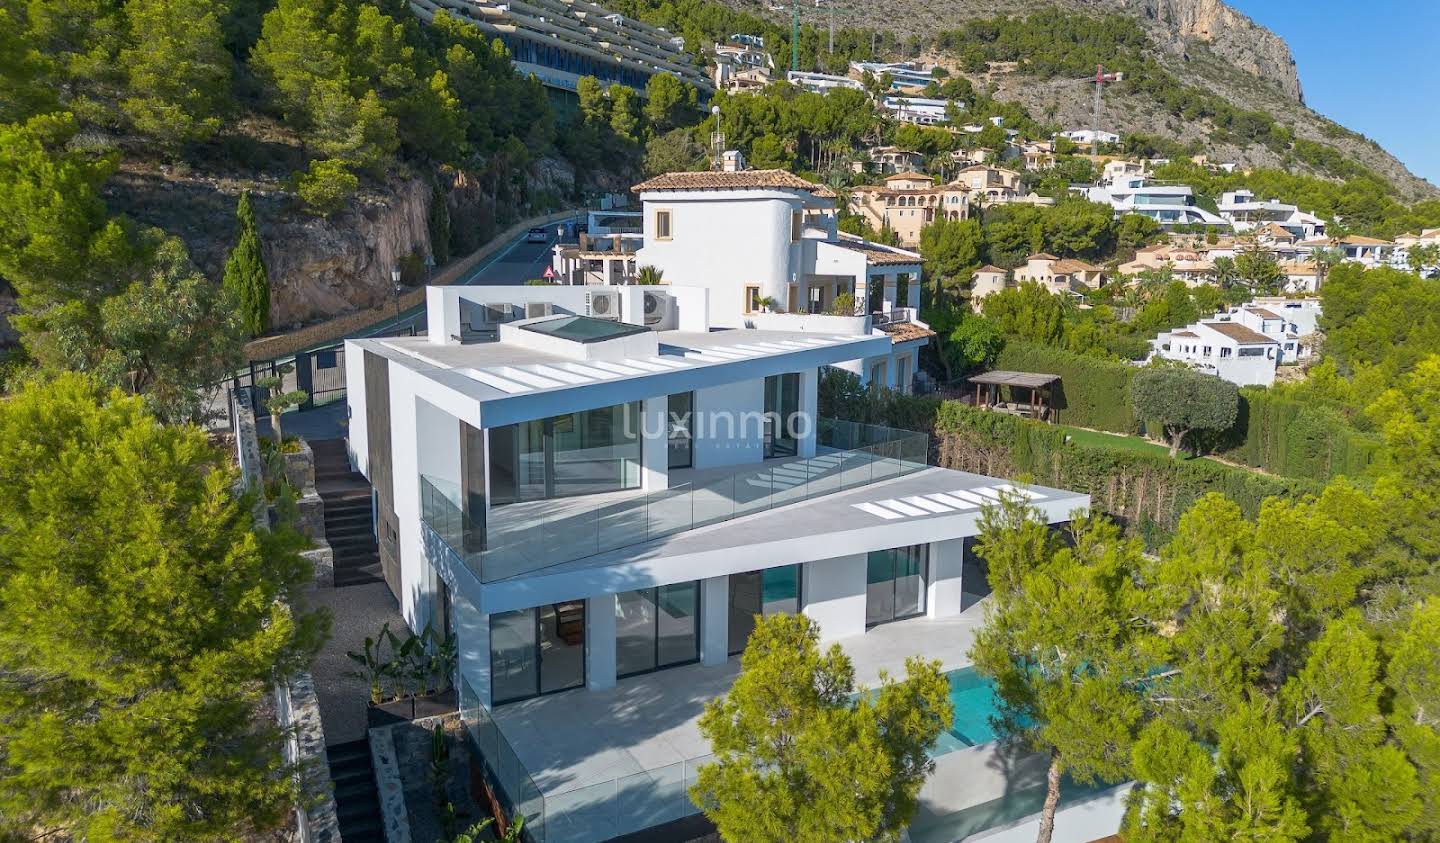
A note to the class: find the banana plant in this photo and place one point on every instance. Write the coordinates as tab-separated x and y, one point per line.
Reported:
372	665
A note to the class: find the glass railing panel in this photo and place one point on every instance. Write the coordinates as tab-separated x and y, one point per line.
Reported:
621	523
887	460
670	511
790	481
714	501
753	491
857	469
826	472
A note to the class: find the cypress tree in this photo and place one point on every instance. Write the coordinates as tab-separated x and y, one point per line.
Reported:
245	277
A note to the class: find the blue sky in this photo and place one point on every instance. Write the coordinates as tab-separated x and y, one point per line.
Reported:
1371	66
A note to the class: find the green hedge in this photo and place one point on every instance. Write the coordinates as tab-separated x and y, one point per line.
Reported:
1092	393
1298	439
1146	492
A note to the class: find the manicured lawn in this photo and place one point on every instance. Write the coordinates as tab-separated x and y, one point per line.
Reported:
1124	443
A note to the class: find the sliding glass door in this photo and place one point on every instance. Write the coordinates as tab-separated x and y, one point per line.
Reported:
537	651
764	593
657	628
895	583
782	403
575	454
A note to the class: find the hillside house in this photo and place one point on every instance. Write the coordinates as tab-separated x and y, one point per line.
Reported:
1063	276
907	202
990	185
987	280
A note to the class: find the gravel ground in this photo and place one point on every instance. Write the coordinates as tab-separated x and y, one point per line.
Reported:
357	611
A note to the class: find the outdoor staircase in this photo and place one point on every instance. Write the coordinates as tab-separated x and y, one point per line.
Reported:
357	802
349	525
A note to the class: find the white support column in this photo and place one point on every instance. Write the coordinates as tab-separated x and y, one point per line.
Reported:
943	593
891	283
912	293
600	642
862	294
654	468
834	595
809	411
714	621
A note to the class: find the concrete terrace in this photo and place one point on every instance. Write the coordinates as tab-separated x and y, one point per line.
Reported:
600	781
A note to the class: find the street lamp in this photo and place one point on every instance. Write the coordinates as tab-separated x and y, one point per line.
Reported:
429	267
395	291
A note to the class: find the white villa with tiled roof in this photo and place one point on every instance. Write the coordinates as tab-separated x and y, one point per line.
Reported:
1246	343
767	245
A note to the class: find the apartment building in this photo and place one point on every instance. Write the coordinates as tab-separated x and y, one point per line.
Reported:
903	74
767	245
907	202
921	111
560	41
598	508
821	83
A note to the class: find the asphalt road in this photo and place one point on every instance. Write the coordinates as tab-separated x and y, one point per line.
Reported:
516	263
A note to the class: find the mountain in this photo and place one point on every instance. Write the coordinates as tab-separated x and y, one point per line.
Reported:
1203	45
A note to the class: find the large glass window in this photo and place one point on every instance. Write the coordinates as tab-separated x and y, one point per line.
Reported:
782	403
895	583
575	454
680	441
537	651
657	627
764	593
514	659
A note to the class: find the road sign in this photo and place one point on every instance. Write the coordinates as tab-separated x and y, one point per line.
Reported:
549	273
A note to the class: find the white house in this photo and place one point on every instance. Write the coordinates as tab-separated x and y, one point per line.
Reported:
597	510
918	110
767	245
1228	349
1245	213
1170	205
821	83
903	74
1085	137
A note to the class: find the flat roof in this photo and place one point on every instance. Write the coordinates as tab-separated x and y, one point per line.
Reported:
512	382
1032	380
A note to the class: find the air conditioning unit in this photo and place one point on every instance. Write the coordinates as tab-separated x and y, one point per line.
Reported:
603	305
536	309
496	313
657	307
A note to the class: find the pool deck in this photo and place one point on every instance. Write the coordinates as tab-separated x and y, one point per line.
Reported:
600	777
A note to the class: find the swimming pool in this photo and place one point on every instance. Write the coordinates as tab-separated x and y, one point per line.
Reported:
973	699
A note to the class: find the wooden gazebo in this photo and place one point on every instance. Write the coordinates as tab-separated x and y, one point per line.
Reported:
1041	403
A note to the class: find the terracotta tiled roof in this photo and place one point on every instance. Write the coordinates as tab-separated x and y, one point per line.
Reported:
1042	256
1263	313
991	268
1185	334
909	175
1072	265
1238	332
708	180
1357	240
906	331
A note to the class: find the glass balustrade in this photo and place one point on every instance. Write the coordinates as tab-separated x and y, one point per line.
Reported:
526	537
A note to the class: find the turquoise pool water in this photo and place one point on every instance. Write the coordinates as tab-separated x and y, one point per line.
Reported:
973	699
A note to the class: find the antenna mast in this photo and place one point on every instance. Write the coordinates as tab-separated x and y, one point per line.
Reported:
795	34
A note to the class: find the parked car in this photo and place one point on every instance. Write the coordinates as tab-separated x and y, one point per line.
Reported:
539	234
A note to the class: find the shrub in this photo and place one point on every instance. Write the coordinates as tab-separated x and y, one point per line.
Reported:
1298	438
326	186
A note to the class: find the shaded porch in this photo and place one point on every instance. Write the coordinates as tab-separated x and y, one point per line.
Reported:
1025	394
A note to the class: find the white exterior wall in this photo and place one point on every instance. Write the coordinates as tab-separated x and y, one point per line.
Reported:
943	597
834	595
735	438
356	433
756	248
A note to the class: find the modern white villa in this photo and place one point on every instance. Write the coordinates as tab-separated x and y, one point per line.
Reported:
598	508
1168	204
1246	213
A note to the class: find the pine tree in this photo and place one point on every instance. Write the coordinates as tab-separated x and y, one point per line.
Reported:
245	277
145	619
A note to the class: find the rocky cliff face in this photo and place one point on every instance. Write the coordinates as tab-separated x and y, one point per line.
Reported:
1251	47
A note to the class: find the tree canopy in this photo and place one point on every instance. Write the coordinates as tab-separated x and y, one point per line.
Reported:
791	733
145	617
1183	401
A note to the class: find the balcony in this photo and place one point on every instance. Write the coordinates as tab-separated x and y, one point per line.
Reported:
527	537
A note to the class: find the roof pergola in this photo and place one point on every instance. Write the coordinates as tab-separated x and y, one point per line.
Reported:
1039	384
